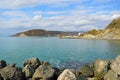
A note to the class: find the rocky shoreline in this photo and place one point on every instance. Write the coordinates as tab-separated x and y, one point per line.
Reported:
34	69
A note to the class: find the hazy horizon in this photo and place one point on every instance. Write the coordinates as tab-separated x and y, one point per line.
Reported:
59	15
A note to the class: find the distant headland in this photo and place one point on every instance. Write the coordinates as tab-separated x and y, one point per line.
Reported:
112	31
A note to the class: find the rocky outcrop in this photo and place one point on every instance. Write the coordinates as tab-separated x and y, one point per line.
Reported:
11	73
67	74
112	31
28	70
85	70
115	65
100	68
110	75
33	62
34	69
44	72
2	64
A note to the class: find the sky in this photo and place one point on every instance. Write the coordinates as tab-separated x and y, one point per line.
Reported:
59	15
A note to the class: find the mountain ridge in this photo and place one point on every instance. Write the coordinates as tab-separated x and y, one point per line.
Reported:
42	33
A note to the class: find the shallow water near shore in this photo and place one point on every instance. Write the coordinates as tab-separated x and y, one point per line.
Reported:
68	53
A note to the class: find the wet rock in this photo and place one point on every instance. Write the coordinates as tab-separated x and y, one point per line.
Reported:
82	77
2	64
44	72
57	72
28	71
1	78
33	62
115	65
12	73
11	65
110	76
67	74
100	68
85	70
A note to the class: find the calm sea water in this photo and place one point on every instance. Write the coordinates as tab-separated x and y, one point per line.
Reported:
69	53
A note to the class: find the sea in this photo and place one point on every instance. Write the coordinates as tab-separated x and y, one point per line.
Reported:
61	53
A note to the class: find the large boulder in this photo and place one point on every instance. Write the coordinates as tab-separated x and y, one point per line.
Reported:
110	75
2	64
28	71
44	72
115	65
85	70
34	62
67	74
100	68
12	73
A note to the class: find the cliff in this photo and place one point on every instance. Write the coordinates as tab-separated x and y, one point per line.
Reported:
112	31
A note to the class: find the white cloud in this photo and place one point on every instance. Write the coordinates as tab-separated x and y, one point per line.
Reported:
81	18
37	17
14	14
115	16
76	20
30	3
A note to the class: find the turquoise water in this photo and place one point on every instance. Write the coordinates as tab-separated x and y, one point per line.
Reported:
69	53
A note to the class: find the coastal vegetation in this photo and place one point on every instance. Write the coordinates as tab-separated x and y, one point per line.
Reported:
114	24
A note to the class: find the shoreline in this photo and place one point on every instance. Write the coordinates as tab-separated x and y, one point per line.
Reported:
34	69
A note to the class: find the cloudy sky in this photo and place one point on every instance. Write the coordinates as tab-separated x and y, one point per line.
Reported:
61	15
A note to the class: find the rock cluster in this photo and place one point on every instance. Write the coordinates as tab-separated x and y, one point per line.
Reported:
34	69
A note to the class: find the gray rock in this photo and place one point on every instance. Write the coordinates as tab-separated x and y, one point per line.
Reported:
82	77
11	73
44	72
67	74
1	78
90	78
100	68
33	62
115	65
110	76
29	71
85	70
2	64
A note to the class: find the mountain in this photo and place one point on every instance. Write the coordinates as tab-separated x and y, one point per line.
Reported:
37	32
43	33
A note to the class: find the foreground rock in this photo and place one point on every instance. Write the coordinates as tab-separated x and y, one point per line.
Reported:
100	68
28	71
2	64
12	73
67	75
110	75
44	72
115	66
34	69
33	62
85	70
